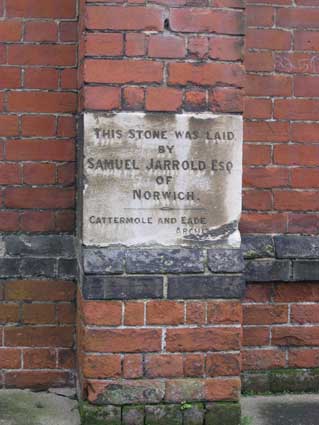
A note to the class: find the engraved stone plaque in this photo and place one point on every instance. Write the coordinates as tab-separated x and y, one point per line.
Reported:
162	179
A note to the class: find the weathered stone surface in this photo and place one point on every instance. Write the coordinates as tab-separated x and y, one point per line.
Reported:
257	246
131	392
67	268
162	179
213	286
297	246
225	260
122	288
193	413
34	267
222	414
100	415
294	380
256	383
163	415
268	270
9	267
165	261
103	261
305	270
133	415
40	245
179	390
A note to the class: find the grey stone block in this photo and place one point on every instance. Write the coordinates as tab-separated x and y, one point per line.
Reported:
9	267
103	260
257	246
225	260
42	245
35	267
268	270
168	260
67	268
223	414
133	415
194	414
212	286
164	414
122	288
305	270
297	246
102	415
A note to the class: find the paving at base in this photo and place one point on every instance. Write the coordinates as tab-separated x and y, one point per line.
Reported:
59	407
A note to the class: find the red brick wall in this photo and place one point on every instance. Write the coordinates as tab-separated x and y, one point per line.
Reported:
281	154
37	333
38	60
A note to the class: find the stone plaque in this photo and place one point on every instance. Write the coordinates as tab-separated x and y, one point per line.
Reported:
162	179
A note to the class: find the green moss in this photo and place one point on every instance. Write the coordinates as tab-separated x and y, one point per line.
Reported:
99	415
223	414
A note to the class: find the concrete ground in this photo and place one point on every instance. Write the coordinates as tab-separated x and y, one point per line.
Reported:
281	410
23	407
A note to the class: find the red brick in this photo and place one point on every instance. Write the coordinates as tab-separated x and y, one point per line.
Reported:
259	16
307	40
64	221
256	336
65	314
38	313
163	99
10	358
274	85
163	366
39	358
164	313
223	364
66	359
206	74
39	336
198	47
195	100
38	125
66	127
295	336
222	389
266	177
296	63
123	340
256	200
104	44
166	46
68	31
9	313
306	86
297	155
42	102
41	31
37	221
268	39
107	313
257	154
228	49
206	20
41	78
258	293
39	290
9	125
44	9
263	359
69	79
9	174
297	17
10	77
133	366
49	54
259	61
279	2
305	292
133	98
303	223
263	223
39	198
296	201
196	313
266	131
97	366
9	221
134	313
194	365
265	314
200	339
135	44
125	18
257	108
122	71
303	314
224	312
66	173
105	98
303	358
40	150
226	99
38	380
10	30
304	132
